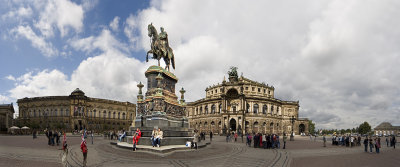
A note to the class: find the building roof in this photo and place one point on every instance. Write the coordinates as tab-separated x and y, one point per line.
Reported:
10	107
386	125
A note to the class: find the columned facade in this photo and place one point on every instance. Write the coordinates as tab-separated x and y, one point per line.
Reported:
6	116
76	112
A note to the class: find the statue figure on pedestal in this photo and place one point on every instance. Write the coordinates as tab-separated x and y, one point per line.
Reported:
160	47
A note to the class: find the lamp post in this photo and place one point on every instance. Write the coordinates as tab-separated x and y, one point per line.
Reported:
291	135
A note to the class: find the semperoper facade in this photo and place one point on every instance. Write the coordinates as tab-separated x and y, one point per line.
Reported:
76	112
243	105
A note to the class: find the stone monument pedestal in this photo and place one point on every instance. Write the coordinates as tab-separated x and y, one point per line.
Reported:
160	108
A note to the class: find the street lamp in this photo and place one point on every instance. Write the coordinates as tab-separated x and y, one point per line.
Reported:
291	135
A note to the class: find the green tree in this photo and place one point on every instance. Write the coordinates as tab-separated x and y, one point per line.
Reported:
364	128
311	127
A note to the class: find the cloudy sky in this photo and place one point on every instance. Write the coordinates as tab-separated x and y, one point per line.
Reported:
340	59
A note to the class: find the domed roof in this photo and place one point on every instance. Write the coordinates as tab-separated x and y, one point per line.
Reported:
384	125
78	92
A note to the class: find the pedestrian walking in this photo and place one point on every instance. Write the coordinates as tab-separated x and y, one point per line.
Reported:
284	140
394	142
324	139
91	135
370	144
236	135
65	150
387	142
366	144
377	144
195	140
84	150
211	135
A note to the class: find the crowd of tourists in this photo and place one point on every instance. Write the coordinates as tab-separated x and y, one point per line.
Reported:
53	137
266	141
348	141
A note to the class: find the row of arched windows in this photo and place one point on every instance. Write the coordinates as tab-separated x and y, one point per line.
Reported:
199	110
264	109
109	114
47	113
65	112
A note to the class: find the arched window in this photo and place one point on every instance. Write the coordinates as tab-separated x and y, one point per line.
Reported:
272	109
247	107
109	114
55	112
61	112
206	109
104	113
219	108
234	108
94	113
123	115
265	108
277	109
119	115
213	109
34	113
197	111
201	110
255	108
131	116
114	115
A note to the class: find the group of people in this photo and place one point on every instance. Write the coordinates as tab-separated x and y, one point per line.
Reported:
266	141
348	141
232	136
53	137
156	136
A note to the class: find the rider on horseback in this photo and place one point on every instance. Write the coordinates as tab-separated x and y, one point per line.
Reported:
163	36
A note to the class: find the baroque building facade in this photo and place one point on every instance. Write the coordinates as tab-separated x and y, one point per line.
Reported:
386	129
243	105
76	112
6	116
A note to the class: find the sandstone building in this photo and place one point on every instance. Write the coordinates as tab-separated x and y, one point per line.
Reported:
76	112
386	128
243	105
6	116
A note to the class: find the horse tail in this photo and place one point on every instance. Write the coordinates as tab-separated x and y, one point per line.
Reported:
172	59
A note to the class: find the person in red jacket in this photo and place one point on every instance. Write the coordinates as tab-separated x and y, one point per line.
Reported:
134	141
84	150
138	134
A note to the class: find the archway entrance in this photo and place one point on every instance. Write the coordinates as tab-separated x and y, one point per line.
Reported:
302	128
232	124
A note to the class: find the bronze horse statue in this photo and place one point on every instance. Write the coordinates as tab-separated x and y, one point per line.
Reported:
159	48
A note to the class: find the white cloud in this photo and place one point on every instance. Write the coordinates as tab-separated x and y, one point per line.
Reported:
22	12
46	48
105	42
110	74
337	58
114	24
4	99
62	14
10	77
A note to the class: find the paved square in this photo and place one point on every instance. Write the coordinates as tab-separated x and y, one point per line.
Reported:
24	151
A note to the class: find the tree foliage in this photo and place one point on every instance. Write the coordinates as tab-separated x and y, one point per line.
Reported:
311	127
364	128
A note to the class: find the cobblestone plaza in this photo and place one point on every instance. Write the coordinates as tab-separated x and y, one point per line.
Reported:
24	151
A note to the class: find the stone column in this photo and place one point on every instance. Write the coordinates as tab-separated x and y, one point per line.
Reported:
7	120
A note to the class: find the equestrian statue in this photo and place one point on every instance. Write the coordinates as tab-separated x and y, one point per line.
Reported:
160	47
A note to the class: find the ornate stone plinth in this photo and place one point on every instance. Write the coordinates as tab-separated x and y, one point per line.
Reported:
160	108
